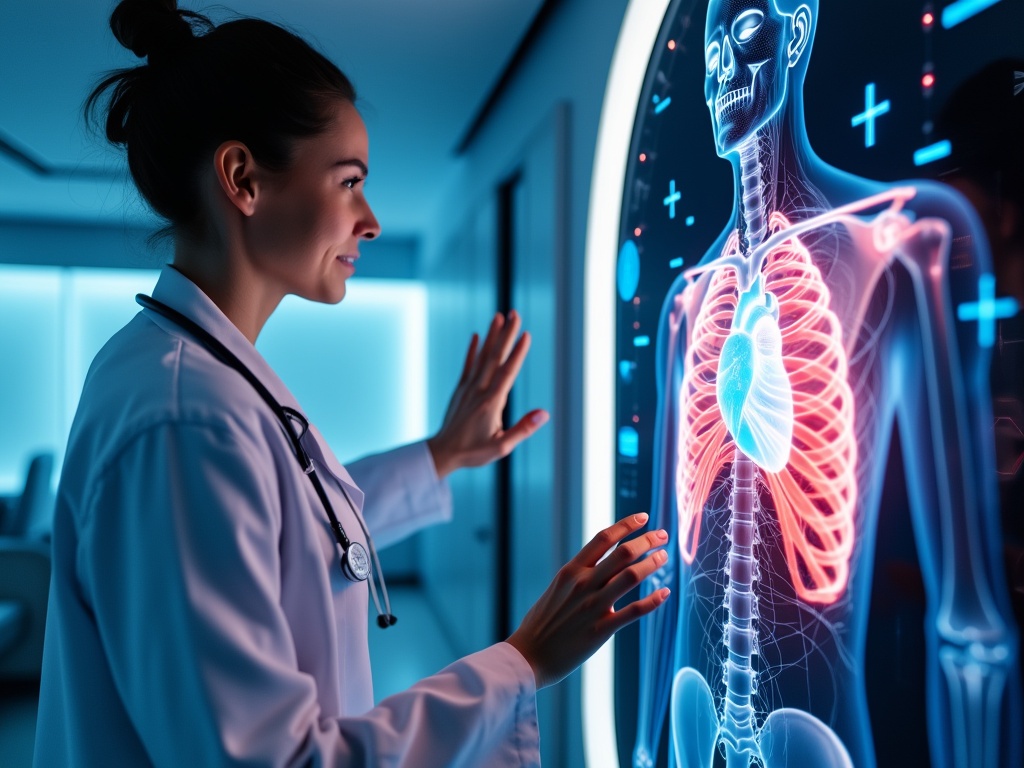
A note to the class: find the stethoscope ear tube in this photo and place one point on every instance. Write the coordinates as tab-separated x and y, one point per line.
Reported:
356	564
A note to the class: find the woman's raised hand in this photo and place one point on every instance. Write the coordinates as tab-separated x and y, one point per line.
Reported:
576	615
472	433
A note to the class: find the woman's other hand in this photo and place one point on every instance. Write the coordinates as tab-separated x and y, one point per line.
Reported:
576	615
473	433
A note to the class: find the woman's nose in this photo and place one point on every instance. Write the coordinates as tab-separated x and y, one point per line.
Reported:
369	227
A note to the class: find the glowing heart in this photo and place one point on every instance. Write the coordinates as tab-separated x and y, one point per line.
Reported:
754	393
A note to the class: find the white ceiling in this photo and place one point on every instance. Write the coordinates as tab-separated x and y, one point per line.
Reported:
422	68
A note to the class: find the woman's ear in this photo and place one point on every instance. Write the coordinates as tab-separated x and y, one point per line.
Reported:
235	169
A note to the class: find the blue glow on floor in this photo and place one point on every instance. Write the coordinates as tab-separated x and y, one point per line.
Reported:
414	648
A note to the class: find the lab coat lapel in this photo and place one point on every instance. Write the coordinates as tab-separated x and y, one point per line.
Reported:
317	448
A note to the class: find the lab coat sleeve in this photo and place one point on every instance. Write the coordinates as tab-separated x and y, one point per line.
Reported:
403	492
179	559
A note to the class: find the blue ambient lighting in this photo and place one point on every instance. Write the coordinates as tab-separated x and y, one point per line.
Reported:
628	272
986	310
642	341
629	442
660	105
933	152
676	263
871	113
962	10
673	197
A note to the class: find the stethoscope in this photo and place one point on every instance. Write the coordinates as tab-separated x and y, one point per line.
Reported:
355	563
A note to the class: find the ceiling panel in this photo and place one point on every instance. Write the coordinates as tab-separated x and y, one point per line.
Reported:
422	70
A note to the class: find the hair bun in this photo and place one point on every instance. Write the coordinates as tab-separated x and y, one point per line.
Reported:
151	27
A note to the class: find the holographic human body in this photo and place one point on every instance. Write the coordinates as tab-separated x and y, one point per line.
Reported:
824	314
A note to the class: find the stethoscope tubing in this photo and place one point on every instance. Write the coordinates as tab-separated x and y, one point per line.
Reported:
355	563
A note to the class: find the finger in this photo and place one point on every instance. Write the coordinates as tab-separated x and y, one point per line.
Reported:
490	340
631	577
596	548
635	610
467	365
499	352
523	428
506	375
627	554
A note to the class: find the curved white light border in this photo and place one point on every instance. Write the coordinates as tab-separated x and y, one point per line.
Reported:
633	51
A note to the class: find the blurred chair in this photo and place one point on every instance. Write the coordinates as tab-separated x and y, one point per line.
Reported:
25	572
30	515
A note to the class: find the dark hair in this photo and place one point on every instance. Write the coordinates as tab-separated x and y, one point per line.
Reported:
247	80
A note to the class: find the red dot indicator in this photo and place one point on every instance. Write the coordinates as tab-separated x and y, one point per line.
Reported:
636	301
671	45
928	20
928	80
636	419
643	157
637	231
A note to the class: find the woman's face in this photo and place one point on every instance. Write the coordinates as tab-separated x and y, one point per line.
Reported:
311	218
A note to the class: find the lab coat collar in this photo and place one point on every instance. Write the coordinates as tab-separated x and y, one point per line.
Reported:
178	292
314	444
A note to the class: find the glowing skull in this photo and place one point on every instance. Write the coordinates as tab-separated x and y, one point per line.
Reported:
745	53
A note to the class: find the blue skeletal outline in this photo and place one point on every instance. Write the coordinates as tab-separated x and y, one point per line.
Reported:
744	666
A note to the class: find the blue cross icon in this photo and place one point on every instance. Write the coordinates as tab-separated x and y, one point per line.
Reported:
871	113
673	197
986	310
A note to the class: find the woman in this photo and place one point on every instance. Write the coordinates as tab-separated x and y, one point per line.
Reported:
198	614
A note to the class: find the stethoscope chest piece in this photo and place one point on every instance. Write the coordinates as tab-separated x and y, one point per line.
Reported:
355	562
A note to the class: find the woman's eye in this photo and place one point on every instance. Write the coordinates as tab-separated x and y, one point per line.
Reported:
352	182
746	25
712	55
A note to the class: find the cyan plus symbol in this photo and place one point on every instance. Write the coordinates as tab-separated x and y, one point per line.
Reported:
871	113
673	197
987	309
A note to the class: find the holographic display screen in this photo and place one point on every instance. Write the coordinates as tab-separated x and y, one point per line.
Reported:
882	102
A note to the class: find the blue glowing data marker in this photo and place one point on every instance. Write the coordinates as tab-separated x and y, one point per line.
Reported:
871	113
660	104
962	10
932	152
673	197
642	341
986	310
690	220
628	271
676	263
626	368
629	442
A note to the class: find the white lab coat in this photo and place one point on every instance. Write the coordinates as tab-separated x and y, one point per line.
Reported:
198	615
